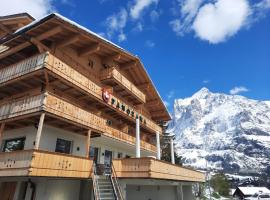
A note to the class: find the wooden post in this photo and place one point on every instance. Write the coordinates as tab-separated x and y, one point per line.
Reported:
158	145
138	141
172	151
88	140
1	132
40	126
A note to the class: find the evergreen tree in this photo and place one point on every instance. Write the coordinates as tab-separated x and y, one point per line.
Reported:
220	184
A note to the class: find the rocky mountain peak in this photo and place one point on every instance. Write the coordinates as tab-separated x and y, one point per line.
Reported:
223	132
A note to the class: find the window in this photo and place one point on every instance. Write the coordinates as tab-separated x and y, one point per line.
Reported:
119	155
93	153
14	144
63	146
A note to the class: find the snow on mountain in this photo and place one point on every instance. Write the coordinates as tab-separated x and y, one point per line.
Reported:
231	132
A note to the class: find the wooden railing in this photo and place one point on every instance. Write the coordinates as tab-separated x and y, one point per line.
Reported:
22	106
59	68
112	73
153	168
71	112
63	109
22	68
44	163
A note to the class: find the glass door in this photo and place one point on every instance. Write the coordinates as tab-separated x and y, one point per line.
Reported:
107	161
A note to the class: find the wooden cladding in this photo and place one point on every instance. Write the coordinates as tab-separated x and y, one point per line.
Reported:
73	113
22	68
69	74
114	75
22	106
152	168
65	110
43	163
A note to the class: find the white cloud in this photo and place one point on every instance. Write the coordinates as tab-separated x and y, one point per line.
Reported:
176	26
154	15
138	27
139	6
149	43
238	89
116	24
215	22
122	37
36	8
171	94
206	81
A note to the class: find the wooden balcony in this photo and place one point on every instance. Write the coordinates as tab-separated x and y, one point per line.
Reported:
155	169
38	64
113	77
59	108
43	163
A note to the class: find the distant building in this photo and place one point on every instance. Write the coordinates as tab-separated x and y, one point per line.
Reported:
244	192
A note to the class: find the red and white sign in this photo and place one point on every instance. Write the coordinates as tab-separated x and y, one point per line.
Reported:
106	95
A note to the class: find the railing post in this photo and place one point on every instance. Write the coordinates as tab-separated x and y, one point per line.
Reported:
87	149
158	145
138	144
40	127
172	151
2	127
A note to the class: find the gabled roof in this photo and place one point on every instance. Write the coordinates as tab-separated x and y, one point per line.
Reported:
38	27
10	23
253	190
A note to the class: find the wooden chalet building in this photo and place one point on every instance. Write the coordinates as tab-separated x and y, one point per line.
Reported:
79	118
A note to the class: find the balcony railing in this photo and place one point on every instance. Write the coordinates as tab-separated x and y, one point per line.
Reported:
112	74
153	168
43	163
63	109
64	71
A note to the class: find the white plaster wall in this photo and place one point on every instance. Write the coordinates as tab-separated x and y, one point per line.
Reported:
50	135
147	192
187	192
28	132
58	189
48	138
116	147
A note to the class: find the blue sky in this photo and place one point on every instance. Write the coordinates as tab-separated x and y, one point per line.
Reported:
185	45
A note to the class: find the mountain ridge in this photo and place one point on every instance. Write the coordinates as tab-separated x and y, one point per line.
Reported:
230	132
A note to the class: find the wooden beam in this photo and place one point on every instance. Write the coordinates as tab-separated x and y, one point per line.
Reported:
42	36
145	86
129	65
41	47
2	127
5	29
67	41
40	127
115	57
155	102
88	140
89	50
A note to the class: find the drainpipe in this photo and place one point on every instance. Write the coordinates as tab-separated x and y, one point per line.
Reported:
138	145
172	151
158	145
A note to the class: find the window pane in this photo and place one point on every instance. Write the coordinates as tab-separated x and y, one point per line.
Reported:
14	144
63	146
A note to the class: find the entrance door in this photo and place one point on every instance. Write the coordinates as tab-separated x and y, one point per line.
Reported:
108	158
8	190
107	161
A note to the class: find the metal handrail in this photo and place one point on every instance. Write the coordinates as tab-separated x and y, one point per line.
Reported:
114	180
95	185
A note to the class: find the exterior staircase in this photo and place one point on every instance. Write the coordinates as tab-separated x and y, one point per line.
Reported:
105	187
105	184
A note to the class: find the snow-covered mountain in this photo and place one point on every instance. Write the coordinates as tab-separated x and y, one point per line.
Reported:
231	132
